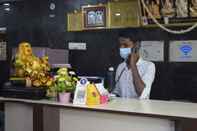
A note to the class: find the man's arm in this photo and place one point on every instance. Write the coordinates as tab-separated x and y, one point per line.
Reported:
148	79
137	80
142	84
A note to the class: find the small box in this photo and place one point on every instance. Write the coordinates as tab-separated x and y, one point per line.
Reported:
104	99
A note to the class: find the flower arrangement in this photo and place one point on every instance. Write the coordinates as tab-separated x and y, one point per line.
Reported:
63	85
65	82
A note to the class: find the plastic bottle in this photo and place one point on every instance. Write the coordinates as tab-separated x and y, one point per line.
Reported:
110	78
80	92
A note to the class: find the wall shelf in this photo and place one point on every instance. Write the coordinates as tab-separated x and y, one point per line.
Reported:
128	14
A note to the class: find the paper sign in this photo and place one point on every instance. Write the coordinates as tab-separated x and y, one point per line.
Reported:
76	46
152	50
183	51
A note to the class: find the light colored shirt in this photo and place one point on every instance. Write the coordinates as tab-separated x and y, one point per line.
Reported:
125	87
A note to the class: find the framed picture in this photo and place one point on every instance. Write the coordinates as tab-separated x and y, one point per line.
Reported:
94	16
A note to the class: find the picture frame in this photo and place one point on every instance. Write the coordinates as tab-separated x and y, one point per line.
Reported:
94	16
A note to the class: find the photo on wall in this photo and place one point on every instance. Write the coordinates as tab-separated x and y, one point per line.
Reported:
94	16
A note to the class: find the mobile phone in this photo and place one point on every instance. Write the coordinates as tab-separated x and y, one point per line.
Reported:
134	50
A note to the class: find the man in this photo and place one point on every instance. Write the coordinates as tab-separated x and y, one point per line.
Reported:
134	77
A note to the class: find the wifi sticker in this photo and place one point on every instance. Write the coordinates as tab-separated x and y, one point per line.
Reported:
186	49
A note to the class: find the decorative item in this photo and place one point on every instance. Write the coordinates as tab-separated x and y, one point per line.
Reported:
193	8
52	6
28	82
36	69
144	20
166	20
154	8
124	13
182	8
94	16
93	95
65	84
175	21
64	97
80	92
167	8
172	13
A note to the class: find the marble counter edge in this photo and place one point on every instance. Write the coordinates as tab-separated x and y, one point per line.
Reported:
118	107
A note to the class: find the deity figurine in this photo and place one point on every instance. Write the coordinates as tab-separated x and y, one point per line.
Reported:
27	65
99	17
91	18
193	8
154	8
182	8
167	8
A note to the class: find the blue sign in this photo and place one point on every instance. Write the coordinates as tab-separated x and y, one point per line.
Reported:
186	49
83	81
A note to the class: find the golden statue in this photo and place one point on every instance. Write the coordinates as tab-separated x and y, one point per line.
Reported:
167	8
193	8
28	65
153	6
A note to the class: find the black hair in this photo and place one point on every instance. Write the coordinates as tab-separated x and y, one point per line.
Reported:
129	34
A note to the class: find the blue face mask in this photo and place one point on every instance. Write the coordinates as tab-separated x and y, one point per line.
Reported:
124	52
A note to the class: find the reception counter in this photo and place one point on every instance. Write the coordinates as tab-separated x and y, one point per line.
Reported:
118	114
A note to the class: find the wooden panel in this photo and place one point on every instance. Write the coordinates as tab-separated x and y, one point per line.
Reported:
50	118
93	121
125	13
18	117
74	22
37	118
186	125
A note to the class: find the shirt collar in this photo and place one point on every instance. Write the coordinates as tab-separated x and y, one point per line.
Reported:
140	61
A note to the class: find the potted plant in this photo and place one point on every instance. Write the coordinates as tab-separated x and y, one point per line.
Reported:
64	84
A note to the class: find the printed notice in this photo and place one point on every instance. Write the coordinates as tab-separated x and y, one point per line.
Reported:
152	50
183	51
77	46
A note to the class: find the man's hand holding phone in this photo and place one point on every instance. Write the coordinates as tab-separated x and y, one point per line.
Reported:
133	58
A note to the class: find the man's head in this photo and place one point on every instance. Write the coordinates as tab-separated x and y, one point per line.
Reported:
25	49
128	44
